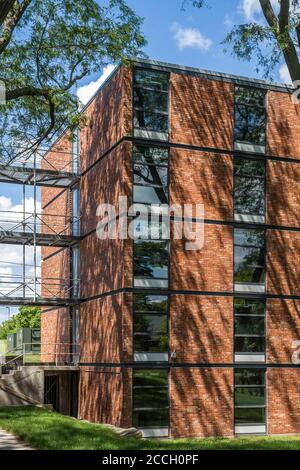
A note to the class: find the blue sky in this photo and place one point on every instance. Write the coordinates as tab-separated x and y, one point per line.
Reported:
164	18
192	37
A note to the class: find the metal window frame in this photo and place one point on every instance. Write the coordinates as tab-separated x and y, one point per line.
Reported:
167	113
166	314
236	104
264	386
134	387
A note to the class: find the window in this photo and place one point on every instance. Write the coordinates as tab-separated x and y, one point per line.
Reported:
150	323
150	398
150	170
76	211
249	396
249	256
250	116
151	261
75	319
249	187
75	151
75	272
249	316
151	101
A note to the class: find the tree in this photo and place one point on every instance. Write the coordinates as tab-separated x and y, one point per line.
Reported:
278	37
46	47
28	317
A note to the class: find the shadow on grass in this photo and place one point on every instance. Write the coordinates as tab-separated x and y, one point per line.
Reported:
44	429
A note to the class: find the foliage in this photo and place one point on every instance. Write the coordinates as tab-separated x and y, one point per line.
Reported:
268	41
28	317
55	44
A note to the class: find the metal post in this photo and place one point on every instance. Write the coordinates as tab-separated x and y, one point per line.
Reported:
34	225
24	247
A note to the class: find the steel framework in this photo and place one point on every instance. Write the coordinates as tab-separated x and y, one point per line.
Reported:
33	229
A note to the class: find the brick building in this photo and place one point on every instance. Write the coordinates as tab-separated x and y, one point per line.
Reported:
177	342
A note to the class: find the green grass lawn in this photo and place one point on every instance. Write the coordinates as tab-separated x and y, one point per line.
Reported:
44	429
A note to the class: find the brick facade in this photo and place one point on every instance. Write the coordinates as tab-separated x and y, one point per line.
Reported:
201	288
201	402
283	401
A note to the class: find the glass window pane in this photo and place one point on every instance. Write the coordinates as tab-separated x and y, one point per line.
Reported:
249	306
250	415
244	376
251	96
249	274
150	332
150	195
248	256
151	155
151	79
151	259
145	119
150	175
150	303
147	397
151	418
251	168
147	229
150	100
249	344
250	325
150	377
250	125
251	396
249	196
249	237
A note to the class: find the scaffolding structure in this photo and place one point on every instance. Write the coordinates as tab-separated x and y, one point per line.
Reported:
21	283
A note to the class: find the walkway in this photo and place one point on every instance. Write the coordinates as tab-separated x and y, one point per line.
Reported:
10	442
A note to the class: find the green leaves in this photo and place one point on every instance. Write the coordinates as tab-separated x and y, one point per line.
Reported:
28	317
57	43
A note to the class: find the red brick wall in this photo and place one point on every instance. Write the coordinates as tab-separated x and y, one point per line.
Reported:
106	329
107	118
105	395
55	335
201	111
109	179
283	328
202	178
283	125
209	269
283	196
283	270
283	401
201	329
201	402
103	265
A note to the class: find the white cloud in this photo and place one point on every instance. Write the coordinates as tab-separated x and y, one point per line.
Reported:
86	92
190	37
11	256
251	9
228	21
285	74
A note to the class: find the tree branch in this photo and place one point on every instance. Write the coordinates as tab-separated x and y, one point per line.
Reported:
27	91
5	6
281	32
298	33
270	16
11	20
284	15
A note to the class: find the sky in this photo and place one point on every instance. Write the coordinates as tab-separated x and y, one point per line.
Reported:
190	37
